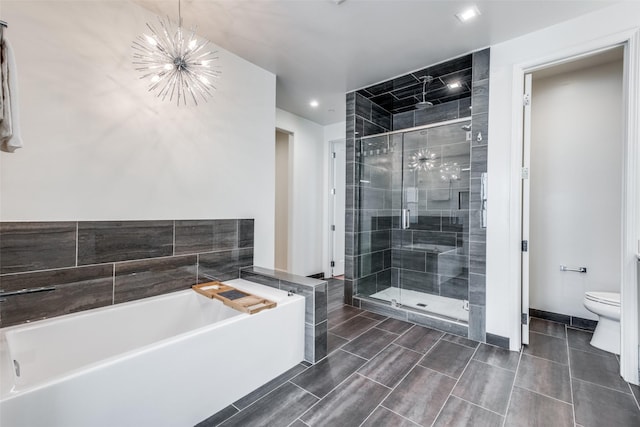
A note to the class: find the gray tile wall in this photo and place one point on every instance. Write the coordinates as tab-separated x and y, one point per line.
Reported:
365	270
97	263
315	293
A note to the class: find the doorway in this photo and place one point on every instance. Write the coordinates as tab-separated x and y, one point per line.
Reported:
572	186
283	197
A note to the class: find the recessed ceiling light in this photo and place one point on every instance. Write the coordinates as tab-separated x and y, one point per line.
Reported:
454	85
468	14
313	103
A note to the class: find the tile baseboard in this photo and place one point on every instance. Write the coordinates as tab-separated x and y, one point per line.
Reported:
574	321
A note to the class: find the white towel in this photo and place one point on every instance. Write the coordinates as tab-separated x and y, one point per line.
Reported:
10	138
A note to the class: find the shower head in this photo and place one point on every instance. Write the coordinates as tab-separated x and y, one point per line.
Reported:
466	127
426	80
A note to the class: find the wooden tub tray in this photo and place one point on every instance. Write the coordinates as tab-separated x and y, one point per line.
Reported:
234	298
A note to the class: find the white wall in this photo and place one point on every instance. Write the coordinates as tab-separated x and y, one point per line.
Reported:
502	280
306	147
98	146
576	187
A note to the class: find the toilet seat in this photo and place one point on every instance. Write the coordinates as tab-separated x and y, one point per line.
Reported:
608	298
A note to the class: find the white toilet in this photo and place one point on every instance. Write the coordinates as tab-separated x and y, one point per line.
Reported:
607	306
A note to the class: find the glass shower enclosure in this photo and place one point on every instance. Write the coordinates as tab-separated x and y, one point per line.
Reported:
413	218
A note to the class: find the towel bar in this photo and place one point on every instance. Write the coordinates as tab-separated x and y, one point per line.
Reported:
577	270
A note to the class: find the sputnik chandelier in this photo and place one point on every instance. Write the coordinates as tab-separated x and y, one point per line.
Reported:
424	160
178	65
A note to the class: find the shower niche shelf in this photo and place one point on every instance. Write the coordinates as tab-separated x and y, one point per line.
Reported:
234	298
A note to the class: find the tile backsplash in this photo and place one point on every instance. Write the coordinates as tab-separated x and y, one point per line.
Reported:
97	263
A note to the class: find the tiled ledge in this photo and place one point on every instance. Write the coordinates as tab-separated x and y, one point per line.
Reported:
315	294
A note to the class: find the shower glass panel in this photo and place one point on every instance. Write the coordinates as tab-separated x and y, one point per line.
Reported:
413	219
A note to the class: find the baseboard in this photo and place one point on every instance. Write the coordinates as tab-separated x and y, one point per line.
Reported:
497	340
574	321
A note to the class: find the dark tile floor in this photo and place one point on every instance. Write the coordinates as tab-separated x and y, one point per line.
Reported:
386	372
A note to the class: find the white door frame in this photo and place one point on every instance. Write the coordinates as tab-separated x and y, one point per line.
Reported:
332	207
526	191
631	197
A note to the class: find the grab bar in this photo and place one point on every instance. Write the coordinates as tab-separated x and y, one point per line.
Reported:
4	293
577	270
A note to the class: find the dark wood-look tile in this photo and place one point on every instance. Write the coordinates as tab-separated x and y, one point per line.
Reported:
545	377
384	417
245	233
341	314
636	392
597	369
320	303
391	365
497	356
348	405
223	265
447	358
581	340
298	423
225	234
460	413
547	347
420	395
353	327
279	408
485	385
111	241
320	341
141	279
324	376
30	246
334	342
548	328
259	278
308	293
374	316
77	289
370	343
419	339
220	416
394	325
193	236
532	409
596	406
460	340
269	387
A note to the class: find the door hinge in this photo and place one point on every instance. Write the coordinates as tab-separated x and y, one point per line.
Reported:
333	191
524	319
524	173
526	100
333	228
333	155
333	263
525	246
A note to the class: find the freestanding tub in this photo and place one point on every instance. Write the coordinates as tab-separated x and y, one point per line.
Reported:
171	360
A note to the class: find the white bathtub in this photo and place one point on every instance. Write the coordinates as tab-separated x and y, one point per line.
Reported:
171	360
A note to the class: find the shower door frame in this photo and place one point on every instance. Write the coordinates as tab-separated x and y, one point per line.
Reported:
402	204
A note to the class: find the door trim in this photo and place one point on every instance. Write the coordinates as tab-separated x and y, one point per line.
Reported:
631	199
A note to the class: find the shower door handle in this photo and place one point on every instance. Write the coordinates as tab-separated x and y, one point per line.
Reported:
406	213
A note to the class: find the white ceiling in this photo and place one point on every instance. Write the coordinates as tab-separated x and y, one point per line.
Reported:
321	50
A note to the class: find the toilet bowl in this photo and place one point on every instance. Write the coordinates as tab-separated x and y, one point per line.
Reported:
607	306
